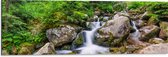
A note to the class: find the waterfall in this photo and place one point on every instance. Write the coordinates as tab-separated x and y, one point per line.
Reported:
89	47
135	34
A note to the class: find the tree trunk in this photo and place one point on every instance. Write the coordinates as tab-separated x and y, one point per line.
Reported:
7	17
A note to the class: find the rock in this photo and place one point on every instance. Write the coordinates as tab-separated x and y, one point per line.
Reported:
155	49
156	41
78	42
61	35
139	23
5	52
65	47
26	48
145	16
148	32
135	41
48	48
164	30
14	50
118	50
153	20
114	30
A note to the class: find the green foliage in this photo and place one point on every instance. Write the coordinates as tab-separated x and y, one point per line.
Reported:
27	21
135	5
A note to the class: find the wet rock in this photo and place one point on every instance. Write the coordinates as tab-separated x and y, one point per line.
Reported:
148	32
155	49
153	20
5	52
26	48
164	30
48	48
156	41
61	35
114	30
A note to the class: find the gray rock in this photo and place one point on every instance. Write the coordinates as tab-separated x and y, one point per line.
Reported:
148	32
114	30
155	49
48	48
61	35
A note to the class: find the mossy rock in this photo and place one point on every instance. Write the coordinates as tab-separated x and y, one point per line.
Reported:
149	32
164	30
153	20
26	48
155	40
78	42
118	50
66	47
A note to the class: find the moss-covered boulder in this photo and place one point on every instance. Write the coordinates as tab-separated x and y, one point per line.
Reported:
78	42
26	48
164	30
153	20
149	32
114	31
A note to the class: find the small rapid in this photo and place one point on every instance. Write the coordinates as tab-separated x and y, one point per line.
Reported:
89	47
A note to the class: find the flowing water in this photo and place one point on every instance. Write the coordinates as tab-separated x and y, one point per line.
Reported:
135	34
88	46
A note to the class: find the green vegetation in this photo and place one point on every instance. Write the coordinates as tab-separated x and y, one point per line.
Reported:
27	21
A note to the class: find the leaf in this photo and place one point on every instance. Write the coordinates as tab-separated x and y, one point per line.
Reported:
7	39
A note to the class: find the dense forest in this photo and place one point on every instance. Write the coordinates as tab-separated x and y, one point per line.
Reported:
28	26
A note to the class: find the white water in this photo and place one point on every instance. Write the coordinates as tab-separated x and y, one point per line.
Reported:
89	47
136	34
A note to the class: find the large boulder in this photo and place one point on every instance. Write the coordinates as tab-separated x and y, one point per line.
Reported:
48	48
164	30
114	30
61	35
155	49
148	32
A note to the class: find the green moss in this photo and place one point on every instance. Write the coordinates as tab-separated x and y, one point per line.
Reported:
26	48
153	20
66	47
154	33
164	28
78	41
